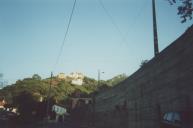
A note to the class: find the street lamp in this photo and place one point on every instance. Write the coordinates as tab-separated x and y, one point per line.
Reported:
99	75
94	97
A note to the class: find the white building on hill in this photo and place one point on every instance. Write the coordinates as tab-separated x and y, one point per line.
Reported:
77	81
75	77
61	76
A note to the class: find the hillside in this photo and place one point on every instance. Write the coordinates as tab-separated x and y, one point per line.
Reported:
61	89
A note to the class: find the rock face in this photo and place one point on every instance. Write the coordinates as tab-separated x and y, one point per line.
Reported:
164	84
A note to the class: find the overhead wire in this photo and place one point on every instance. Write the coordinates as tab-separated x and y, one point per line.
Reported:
61	49
139	12
66	33
111	19
123	36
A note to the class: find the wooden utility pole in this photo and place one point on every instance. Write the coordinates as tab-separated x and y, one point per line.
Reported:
48	96
99	73
94	100
156	49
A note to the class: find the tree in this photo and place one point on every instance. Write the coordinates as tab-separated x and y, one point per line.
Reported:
36	77
144	62
104	87
26	105
90	84
184	10
116	80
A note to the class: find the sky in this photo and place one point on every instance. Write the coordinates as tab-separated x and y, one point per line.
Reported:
114	41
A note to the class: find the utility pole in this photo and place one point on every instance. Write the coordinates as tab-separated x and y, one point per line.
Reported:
156	49
48	96
94	98
99	73
93	105
1	81
99	77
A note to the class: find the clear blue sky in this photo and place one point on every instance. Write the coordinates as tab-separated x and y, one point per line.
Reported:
32	31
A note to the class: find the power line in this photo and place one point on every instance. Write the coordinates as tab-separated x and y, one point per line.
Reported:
123	36
66	33
136	18
111	19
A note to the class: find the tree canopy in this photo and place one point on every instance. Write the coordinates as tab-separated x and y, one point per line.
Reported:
27	94
185	9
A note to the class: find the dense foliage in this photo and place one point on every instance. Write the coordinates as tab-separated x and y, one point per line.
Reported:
30	94
116	80
60	89
185	9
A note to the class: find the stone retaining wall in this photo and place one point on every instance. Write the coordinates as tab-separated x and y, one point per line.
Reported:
164	84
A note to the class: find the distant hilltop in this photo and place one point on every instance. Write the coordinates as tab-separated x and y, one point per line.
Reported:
75	77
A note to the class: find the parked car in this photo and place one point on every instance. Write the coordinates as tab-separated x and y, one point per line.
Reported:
182	119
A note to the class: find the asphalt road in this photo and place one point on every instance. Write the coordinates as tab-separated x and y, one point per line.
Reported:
41	125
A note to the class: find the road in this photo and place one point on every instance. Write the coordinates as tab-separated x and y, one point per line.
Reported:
41	125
